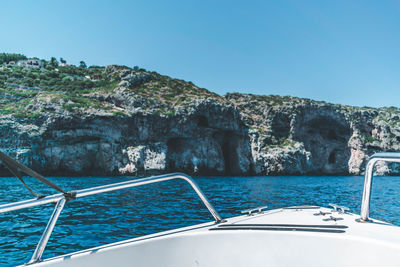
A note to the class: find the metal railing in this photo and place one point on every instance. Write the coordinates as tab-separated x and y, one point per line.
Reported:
388	157
60	201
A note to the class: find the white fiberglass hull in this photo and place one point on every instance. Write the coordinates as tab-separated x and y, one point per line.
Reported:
284	237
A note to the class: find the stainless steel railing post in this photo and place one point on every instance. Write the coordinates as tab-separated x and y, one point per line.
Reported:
47	232
203	197
365	203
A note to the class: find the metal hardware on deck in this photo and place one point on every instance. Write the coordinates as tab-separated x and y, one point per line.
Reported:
340	209
321	213
331	218
252	211
60	200
388	157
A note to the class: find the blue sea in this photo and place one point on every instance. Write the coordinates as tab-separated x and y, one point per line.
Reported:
115	216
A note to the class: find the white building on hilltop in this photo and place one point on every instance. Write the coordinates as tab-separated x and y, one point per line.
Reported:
31	63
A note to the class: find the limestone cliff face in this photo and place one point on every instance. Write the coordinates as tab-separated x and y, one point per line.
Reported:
299	136
209	139
143	127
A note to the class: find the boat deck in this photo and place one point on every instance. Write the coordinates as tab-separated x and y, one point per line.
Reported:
280	237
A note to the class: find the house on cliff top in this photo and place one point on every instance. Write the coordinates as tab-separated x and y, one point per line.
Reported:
31	63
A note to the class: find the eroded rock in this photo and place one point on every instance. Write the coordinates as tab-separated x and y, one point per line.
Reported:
237	135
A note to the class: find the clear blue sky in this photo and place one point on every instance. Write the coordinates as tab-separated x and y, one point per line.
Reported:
344	52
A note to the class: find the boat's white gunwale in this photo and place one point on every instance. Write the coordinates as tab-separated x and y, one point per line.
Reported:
202	229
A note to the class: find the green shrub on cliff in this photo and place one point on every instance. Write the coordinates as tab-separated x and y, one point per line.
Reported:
61	87
65	78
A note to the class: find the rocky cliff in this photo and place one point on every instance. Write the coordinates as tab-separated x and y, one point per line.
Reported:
299	136
143	123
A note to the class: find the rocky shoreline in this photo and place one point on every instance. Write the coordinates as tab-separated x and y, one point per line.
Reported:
194	131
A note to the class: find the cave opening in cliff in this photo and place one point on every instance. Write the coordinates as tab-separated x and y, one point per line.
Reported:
326	137
332	157
202	121
230	154
175	147
332	135
281	126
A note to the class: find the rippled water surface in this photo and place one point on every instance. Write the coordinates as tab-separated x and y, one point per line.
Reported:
115	216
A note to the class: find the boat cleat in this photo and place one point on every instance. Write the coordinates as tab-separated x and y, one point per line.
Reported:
254	211
340	209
